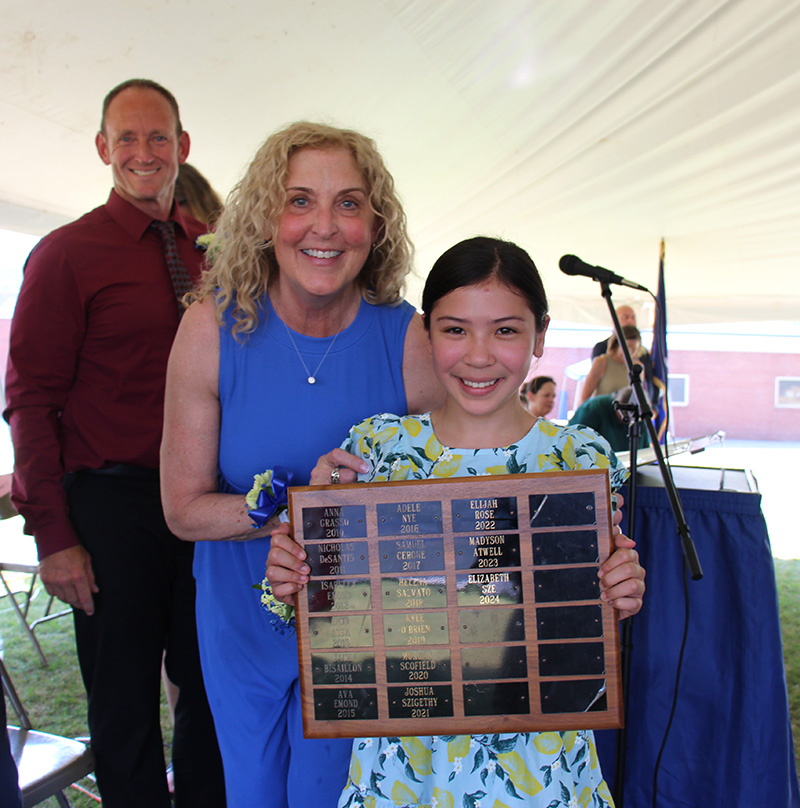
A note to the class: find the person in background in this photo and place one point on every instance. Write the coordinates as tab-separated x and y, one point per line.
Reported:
627	316
195	196
94	323
600	414
539	395
299	330
485	310
609	372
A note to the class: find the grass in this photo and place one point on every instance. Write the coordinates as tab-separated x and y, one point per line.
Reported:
56	701
787	574
54	696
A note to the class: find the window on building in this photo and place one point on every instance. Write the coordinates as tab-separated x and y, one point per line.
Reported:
679	389
787	391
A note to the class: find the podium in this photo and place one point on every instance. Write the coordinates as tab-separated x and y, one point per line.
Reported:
731	741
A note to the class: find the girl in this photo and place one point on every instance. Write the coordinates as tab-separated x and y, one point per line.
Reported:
485	311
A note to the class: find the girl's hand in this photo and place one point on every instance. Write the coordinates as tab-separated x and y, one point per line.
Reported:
287	571
622	578
616	516
349	467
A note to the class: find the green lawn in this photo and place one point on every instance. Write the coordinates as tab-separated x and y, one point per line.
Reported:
788	577
53	696
55	699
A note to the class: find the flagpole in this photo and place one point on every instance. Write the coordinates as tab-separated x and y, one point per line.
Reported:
658	353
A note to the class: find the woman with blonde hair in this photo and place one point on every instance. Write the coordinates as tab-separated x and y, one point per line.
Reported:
297	330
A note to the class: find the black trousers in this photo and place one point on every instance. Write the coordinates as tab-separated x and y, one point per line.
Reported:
145	606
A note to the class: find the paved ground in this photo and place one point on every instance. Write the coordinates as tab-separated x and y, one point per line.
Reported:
776	467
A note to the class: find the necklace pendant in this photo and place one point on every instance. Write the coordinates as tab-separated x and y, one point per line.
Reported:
312	380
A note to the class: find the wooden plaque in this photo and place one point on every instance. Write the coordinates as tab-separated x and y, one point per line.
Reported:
461	606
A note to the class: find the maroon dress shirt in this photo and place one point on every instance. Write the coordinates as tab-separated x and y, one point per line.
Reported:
91	334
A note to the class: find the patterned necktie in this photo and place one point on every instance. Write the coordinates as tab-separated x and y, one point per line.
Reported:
181	282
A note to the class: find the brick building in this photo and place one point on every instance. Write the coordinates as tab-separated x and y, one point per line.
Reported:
747	385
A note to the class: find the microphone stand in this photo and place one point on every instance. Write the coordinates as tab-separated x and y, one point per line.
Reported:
644	414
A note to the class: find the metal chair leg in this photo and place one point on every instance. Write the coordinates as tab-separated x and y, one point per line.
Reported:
28	630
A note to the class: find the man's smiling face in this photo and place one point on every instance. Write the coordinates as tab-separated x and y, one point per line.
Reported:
141	144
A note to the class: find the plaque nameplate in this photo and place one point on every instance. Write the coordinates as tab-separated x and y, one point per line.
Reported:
461	606
409	518
414	592
418	665
338	558
340	522
411	555
420	701
485	552
343	668
343	595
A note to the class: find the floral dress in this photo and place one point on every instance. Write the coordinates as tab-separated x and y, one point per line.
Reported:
547	769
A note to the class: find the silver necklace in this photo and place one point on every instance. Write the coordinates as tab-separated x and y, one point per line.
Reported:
312	377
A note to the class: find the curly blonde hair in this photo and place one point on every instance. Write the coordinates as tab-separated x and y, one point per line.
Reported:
244	258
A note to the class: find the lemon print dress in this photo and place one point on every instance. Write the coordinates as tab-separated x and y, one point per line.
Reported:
547	769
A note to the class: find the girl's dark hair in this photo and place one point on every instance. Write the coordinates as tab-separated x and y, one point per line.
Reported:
628	331
481	258
536	384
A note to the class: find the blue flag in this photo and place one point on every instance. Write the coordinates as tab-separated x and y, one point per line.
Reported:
659	356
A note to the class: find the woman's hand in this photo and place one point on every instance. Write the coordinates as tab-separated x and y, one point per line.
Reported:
622	578
349	467
287	571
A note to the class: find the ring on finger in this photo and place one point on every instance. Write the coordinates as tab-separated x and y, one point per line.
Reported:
335	475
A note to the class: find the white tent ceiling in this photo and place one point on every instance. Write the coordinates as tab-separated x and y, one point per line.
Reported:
592	127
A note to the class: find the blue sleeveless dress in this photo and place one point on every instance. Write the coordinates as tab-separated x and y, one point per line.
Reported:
272	416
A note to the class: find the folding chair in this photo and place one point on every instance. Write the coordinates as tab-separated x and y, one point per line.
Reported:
47	763
18	554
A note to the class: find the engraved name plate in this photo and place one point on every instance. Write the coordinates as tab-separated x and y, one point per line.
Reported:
340	631
456	606
340	522
485	513
338	558
485	552
348	594
420	701
411	555
341	704
489	588
415	628
414	592
343	668
409	518
418	665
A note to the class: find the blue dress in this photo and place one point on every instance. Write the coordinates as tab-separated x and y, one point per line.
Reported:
552	769
272	416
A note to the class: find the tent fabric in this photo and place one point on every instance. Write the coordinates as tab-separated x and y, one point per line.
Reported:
731	739
571	127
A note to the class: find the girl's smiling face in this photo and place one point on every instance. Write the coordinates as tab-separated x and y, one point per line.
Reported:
482	340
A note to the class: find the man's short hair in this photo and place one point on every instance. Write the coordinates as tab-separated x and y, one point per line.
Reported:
144	84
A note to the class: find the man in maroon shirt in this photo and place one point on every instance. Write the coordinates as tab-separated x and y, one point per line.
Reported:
90	338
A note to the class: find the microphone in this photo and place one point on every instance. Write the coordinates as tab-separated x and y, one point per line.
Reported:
572	265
